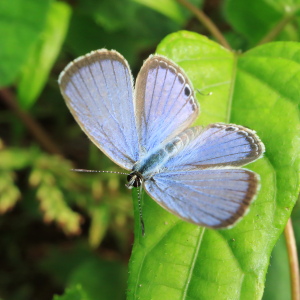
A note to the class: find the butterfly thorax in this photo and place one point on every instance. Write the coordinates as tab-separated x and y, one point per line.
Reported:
152	163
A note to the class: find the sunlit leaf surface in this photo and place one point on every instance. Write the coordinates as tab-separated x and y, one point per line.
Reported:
258	89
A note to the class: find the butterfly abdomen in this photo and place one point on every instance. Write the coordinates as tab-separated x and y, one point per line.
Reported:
155	161
178	143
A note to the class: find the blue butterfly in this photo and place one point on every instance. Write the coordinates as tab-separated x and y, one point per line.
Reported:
193	172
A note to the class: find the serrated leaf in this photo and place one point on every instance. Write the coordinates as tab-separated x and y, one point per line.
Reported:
55	208
12	159
42	56
258	89
50	192
9	193
16	159
21	23
73	293
258	19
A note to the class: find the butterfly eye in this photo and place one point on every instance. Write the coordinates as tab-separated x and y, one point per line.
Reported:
134	180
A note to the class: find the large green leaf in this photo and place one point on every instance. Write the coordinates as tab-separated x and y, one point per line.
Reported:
258	89
21	23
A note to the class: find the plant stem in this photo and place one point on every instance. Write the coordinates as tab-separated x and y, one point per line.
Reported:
270	36
207	22
293	260
42	137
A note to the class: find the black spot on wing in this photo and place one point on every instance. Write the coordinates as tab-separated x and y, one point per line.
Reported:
187	91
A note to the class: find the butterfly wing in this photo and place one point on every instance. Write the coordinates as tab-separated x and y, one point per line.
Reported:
98	90
214	198
200	183
165	102
218	145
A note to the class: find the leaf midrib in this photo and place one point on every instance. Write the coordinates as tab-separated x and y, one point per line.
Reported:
195	256
231	89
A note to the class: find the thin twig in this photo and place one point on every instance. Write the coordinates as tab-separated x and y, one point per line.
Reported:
270	36
293	260
207	22
41	136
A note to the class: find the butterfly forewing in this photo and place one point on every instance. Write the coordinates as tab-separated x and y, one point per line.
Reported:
98	90
213	198
165	102
218	145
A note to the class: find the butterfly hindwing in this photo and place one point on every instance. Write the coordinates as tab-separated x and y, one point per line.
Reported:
98	89
216	146
213	198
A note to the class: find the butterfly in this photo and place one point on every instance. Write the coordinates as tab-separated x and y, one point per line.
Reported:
193	172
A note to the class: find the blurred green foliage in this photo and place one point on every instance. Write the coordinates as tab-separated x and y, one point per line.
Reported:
74	293
21	24
66	235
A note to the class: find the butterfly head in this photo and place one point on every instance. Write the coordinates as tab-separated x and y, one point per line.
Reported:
134	179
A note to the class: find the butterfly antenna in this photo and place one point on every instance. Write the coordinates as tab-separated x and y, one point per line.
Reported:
208	94
139	191
96	171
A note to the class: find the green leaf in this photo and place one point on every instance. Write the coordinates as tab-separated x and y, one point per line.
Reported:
170	8
258	19
258	89
21	23
73	293
42	56
99	224
144	30
111	15
60	262
278	287
100	279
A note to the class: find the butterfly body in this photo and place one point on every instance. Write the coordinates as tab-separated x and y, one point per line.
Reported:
154	162
193	172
